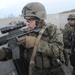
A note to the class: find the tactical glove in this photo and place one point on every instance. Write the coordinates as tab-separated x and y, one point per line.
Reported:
5	53
2	54
28	41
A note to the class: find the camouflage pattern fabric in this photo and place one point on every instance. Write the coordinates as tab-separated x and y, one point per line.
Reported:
67	35
67	43
55	42
53	45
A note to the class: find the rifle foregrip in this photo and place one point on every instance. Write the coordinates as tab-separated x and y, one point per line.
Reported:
3	41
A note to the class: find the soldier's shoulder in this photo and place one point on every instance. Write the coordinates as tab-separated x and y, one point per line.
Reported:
67	26
51	26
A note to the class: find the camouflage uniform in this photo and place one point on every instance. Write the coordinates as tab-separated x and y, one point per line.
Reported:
48	53
67	37
67	42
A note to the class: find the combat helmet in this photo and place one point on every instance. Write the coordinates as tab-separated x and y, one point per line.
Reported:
71	17
34	9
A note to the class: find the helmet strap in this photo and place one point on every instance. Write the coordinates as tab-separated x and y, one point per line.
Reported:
40	23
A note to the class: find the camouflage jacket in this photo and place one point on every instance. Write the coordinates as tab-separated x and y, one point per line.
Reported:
50	47
68	30
55	41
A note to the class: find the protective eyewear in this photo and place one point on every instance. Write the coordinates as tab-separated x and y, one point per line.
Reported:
29	20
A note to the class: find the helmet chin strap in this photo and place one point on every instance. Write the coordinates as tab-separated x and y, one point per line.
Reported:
40	23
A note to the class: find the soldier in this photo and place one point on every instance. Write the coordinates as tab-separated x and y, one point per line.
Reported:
46	59
69	27
68	31
43	48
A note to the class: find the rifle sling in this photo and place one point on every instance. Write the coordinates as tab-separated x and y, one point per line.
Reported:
35	49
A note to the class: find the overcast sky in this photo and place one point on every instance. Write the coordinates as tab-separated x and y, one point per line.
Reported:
9	7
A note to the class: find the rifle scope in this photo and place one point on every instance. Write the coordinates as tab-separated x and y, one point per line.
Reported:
11	28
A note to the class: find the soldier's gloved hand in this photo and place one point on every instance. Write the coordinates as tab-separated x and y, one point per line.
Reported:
2	54
28	41
5	53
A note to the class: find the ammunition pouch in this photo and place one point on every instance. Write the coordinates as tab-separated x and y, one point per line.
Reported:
43	61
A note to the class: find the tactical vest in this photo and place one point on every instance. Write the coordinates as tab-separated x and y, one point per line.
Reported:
42	61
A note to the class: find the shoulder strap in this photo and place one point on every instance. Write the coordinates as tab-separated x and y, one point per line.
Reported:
35	49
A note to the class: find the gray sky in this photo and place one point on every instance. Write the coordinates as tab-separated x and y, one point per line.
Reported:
9	7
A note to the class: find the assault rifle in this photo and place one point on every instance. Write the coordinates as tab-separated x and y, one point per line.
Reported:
14	32
11	39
